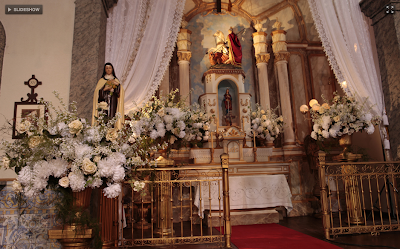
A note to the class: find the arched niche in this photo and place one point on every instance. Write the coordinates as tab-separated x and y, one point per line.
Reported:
234	92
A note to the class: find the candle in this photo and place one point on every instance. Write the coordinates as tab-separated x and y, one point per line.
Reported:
254	139
212	141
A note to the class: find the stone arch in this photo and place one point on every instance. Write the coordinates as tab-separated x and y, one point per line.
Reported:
2	48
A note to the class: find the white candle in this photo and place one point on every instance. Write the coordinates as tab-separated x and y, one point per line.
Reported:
212	141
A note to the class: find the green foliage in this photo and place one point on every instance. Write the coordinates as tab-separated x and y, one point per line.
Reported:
72	215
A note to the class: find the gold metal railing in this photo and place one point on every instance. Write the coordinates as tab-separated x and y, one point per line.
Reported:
359	197
172	210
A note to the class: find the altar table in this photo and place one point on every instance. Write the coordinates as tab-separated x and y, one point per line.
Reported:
246	192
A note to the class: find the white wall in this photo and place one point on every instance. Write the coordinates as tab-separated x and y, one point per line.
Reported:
39	45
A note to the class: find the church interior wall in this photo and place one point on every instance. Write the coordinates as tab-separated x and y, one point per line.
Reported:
37	45
42	47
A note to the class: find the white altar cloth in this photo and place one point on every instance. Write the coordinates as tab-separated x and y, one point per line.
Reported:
245	192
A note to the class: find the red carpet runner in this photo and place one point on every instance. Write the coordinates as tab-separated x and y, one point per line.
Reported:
273	236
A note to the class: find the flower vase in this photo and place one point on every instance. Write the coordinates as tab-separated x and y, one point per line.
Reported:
261	142
72	236
82	198
162	153
345	143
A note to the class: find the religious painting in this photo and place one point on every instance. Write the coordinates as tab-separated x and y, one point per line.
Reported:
26	112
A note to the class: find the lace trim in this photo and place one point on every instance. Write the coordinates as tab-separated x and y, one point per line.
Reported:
143	17
326	43
168	49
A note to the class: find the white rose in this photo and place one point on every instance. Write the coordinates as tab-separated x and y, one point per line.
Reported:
6	162
194	117
96	159
131	139
172	139
24	126
64	182
112	134
206	127
75	127
17	187
88	166
161	112
102	105
34	141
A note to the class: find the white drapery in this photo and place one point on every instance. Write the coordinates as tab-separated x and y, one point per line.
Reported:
141	36
344	33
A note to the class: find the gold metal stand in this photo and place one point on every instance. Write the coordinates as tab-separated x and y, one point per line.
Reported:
352	192
227	208
164	199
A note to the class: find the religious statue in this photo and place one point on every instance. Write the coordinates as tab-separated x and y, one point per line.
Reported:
110	91
227	101
228	51
228	108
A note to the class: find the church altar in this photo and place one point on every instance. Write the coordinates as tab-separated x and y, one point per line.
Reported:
246	192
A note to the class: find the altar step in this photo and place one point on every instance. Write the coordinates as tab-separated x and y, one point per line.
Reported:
244	217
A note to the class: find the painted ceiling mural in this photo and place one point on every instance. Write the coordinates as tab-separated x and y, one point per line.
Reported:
204	21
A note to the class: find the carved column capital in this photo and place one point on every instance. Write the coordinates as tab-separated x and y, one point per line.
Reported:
184	56
262	58
282	56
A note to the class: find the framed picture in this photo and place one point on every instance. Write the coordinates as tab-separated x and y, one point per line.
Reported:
26	111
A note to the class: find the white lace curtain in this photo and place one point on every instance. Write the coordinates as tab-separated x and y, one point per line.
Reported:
344	33
141	36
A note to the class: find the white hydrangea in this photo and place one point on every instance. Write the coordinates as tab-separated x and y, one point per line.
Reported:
112	191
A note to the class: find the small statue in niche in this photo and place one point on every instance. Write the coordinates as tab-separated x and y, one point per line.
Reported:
228	108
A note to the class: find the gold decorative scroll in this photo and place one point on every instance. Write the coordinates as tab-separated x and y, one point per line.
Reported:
184	56
281	56
245	103
262	58
212	103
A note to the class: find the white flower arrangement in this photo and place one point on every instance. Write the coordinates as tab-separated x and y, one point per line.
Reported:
344	116
265	124
65	151
163	120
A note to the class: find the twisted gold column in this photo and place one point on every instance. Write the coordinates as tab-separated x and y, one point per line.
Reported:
163	197
227	208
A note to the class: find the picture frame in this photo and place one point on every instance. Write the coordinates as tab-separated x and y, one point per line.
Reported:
23	110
